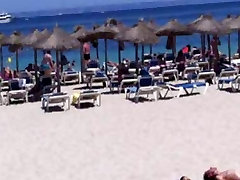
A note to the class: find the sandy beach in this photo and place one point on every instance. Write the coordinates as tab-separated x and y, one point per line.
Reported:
121	140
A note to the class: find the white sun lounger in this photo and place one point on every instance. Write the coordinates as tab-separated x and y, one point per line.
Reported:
185	88
15	92
171	72
226	77
128	81
206	75
55	98
70	77
188	70
90	95
145	87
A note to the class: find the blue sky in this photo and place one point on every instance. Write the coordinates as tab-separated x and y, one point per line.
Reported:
33	5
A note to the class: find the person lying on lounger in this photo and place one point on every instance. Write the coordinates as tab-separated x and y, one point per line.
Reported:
214	174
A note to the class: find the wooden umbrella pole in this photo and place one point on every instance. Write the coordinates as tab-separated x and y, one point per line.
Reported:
136	56
97	52
106	58
204	46
81	61
1	56
57	72
142	53
119	53
150	48
229	48
174	50
17	65
35	66
208	41
239	39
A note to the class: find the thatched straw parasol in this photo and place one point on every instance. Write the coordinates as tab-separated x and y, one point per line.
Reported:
15	42
31	40
234	25
228	23
139	34
59	41
172	29
3	41
103	32
80	33
205	24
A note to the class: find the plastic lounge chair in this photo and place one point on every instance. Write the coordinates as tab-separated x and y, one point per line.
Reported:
144	87
171	73
190	70
90	95
99	77
203	65
1	96
227	76
70	77
186	88
114	83
128	80
16	92
206	74
55	98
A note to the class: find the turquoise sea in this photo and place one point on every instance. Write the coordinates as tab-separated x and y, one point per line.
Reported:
161	15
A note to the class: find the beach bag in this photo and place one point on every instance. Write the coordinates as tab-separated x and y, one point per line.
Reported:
75	98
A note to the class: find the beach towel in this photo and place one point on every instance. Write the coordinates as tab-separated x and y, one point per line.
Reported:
75	98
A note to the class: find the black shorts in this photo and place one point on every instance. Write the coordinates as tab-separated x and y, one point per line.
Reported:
86	56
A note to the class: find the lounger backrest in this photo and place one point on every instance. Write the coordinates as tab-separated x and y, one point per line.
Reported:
145	81
228	73
129	76
14	85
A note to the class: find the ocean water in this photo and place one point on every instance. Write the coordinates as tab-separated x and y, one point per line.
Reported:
184	13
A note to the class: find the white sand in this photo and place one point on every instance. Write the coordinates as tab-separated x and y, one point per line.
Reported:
121	140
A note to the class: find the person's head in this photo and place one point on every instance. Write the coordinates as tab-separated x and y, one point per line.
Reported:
48	52
211	174
215	37
189	47
184	178
180	53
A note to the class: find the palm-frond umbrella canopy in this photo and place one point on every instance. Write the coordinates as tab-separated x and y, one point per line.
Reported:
80	33
34	38
234	24
172	29
205	24
59	41
152	25
139	34
103	32
3	41
228	23
15	42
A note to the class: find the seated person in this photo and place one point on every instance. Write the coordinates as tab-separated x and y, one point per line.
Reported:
123	68
181	61
93	64
7	74
30	67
